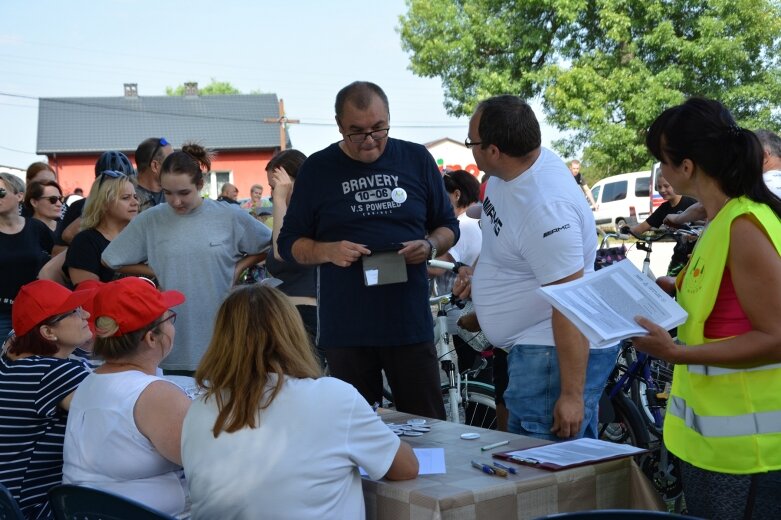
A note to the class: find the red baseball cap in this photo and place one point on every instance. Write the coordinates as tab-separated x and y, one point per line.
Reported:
44	299
133	303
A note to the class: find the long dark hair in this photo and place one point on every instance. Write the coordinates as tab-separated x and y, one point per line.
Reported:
703	131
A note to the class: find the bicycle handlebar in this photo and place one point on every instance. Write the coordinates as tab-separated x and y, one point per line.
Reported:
660	233
448	266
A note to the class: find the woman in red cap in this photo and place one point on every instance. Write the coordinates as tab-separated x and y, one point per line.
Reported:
125	422
37	382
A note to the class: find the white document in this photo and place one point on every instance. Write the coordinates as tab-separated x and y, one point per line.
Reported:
430	460
372	276
603	304
575	452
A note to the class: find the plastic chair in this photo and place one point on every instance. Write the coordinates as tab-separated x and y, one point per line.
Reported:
615	514
9	509
81	503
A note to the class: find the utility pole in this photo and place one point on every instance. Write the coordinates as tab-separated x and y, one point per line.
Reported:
283	122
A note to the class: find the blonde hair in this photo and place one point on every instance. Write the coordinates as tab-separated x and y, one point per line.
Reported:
257	332
110	347
101	197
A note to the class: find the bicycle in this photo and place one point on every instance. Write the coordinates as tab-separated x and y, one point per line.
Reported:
466	401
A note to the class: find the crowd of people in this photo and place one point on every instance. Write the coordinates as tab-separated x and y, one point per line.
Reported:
137	286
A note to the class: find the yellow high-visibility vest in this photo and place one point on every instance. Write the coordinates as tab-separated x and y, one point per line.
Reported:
723	419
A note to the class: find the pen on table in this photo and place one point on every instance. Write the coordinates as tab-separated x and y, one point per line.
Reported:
485	468
525	460
506	468
494	445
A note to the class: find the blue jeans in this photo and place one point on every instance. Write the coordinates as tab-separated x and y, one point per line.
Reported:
535	387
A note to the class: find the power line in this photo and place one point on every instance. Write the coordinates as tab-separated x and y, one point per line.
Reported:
86	104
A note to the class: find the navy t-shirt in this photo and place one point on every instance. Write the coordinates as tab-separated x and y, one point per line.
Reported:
398	198
22	255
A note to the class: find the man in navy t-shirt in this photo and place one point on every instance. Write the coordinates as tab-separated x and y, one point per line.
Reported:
367	192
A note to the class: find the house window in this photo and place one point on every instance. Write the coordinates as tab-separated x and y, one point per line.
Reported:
213	181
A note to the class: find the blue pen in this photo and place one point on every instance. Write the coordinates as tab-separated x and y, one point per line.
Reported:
506	468
485	468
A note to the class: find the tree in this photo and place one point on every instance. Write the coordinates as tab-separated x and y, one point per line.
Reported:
603	69
213	88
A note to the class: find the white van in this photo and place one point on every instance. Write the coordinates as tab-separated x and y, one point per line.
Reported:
622	200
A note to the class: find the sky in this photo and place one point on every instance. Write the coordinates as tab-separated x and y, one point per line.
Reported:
302	50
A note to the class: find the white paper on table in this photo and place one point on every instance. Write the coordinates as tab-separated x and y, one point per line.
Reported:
576	452
603	304
431	461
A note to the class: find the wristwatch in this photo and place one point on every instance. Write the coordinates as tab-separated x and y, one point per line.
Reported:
433	253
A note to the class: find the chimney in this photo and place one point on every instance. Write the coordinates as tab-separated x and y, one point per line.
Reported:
131	89
191	89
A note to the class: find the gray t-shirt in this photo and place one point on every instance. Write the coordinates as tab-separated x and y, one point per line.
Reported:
196	254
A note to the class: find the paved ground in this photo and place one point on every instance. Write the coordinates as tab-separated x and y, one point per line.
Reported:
660	258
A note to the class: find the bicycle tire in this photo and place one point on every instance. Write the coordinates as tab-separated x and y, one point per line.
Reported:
627	426
647	404
480	409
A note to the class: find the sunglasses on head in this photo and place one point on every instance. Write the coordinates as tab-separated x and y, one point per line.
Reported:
112	174
53	199
160	144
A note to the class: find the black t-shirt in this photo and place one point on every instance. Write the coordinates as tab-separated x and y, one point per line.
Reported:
22	255
84	253
72	213
683	247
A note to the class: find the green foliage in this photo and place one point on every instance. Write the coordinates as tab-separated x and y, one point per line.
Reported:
212	89
603	69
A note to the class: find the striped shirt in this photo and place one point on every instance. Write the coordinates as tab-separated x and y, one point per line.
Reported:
32	426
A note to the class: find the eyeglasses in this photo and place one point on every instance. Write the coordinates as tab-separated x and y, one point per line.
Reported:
53	199
171	317
3	193
77	310
110	173
376	135
470	144
160	144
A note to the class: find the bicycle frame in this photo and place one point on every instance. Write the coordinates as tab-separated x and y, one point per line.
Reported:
445	355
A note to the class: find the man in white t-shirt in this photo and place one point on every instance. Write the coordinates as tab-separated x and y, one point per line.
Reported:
537	230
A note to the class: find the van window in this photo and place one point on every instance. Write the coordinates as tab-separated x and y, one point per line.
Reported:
595	193
643	187
614	191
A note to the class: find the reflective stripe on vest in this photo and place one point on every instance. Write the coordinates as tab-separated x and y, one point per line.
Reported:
725	426
707	370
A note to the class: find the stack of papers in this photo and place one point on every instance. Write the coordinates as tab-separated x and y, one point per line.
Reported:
603	304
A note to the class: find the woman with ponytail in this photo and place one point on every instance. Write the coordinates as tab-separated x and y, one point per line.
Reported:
723	416
124	428
194	245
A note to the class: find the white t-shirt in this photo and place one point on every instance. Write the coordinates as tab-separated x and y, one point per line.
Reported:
773	181
300	462
537	229
467	249
105	450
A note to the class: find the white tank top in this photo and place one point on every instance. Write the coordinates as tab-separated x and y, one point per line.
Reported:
104	450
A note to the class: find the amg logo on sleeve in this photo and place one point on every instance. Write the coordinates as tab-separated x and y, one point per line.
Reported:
555	230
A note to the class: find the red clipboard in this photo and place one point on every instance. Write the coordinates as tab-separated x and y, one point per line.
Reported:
515	457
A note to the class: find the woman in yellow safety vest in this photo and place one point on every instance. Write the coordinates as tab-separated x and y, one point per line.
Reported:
724	413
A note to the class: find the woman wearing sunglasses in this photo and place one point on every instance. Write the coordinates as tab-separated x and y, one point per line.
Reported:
37	382
111	205
25	245
194	245
44	200
125	422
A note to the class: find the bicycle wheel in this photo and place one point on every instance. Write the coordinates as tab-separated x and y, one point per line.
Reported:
626	426
652	401
480	405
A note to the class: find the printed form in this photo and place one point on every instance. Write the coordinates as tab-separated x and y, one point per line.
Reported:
603	304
